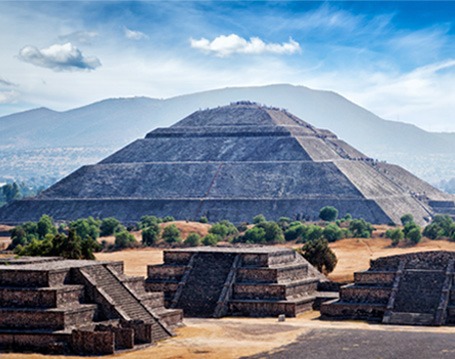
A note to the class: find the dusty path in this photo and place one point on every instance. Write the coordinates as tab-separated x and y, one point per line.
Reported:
230	338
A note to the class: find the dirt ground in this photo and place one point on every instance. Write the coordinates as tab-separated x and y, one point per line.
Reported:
237	337
353	255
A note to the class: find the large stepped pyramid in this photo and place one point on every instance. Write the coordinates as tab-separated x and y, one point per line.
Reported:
234	162
246	281
413	289
85	307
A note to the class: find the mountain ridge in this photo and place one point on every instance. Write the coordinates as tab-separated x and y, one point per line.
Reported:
112	123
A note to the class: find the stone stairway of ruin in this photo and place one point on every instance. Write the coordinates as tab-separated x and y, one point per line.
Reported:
410	289
200	295
124	299
251	281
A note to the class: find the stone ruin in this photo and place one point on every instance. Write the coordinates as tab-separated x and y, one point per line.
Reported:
234	162
413	289
78	306
221	281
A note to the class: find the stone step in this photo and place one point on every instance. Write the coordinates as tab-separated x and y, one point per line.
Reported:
292	271
166	272
374	278
266	308
346	310
33	279
51	319
274	291
354	293
41	297
411	318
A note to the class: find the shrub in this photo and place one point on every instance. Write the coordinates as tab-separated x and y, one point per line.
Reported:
242	227
396	235
203	219
360	228
168	219
433	231
109	226
332	232
45	226
219	230
312	233
253	235
284	222
147	221
414	235
407	218
273	232
124	239
258	219
69	247
86	227
151	235
328	213
171	234
320	255
210	240
193	240
294	231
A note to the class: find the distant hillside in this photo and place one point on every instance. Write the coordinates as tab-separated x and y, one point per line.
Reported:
30	140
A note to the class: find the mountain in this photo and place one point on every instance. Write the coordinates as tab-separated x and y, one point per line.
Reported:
107	125
233	162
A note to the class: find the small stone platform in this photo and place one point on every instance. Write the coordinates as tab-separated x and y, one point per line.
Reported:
245	281
412	289
85	307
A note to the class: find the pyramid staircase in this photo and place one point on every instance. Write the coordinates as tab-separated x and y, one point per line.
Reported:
411	289
85	307
254	281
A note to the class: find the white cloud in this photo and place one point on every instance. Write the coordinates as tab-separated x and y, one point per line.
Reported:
5	82
57	57
8	96
134	35
82	37
223	46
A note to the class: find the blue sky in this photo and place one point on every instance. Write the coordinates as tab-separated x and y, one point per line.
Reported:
397	59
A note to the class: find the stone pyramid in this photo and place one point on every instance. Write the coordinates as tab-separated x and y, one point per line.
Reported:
234	162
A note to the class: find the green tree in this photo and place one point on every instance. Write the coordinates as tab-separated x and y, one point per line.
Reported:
124	239
147	221
273	232
203	219
151	235
294	231
193	240
171	234
168	219
332	232
396	235
210	240
328	213
433	231
360	228
109	226
414	235
11	192
253	235
320	255
312	233
407	218
259	219
86	227
45	226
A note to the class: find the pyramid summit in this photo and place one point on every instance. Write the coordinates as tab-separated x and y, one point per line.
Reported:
234	162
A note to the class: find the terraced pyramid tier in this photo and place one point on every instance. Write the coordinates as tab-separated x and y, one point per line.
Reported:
413	289
234	162
247	281
85	307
